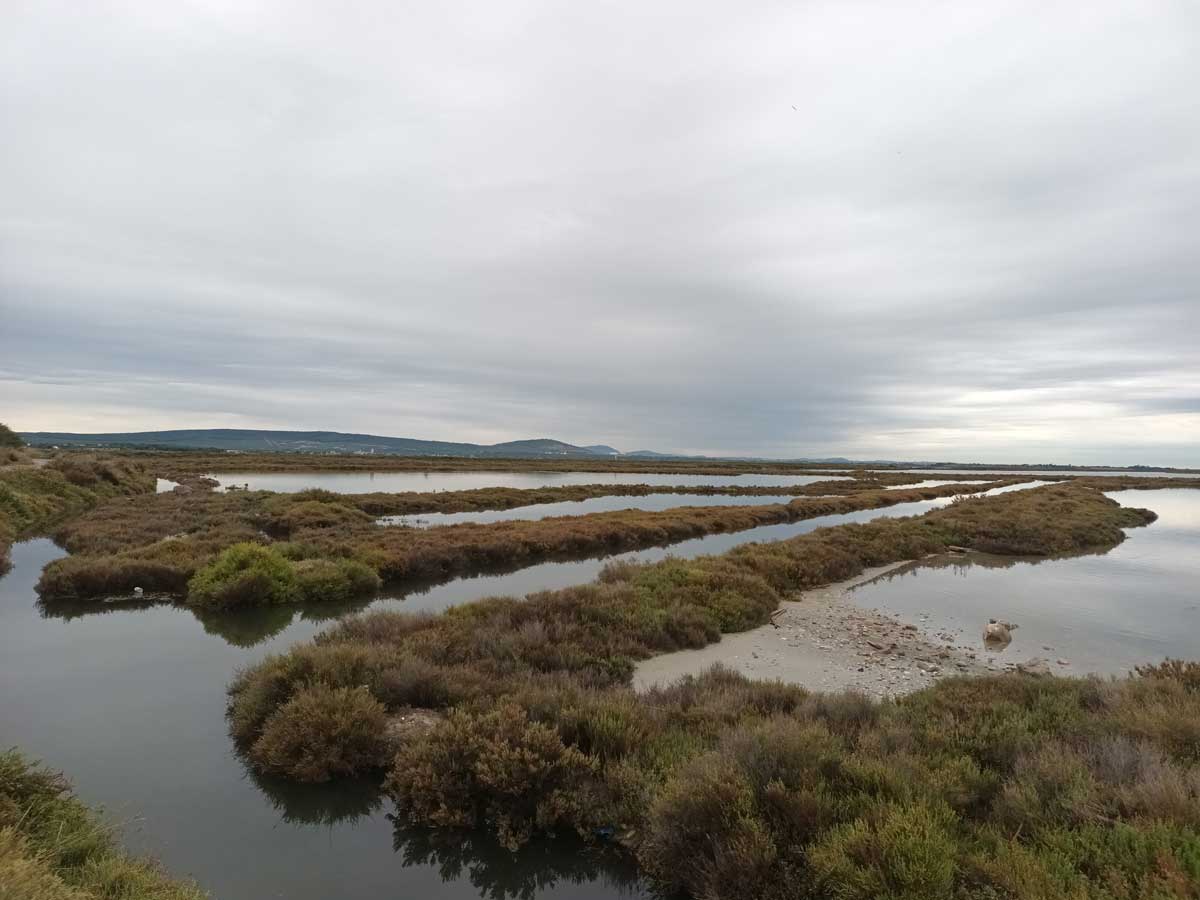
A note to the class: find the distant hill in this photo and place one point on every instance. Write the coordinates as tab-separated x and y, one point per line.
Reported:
247	440
240	439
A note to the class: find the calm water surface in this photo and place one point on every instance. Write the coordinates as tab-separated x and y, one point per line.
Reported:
130	703
1106	613
365	482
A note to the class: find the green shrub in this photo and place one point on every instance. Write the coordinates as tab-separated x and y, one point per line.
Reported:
1186	673
333	581
242	575
703	835
896	852
1050	787
323	732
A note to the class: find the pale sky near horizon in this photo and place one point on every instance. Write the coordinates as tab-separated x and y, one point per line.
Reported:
960	231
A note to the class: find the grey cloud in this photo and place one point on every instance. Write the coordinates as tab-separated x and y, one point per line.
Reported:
971	237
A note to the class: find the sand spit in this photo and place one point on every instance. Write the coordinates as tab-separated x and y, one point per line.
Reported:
823	641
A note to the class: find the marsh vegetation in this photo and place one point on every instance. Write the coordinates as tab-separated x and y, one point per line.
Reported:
1003	786
163	542
717	786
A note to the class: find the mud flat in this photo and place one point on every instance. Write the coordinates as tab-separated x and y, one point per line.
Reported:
823	641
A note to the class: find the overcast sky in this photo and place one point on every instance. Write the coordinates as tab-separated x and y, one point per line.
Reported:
914	230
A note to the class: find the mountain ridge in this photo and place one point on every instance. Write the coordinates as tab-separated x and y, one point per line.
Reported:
332	442
253	439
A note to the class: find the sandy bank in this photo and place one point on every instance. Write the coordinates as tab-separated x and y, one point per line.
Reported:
823	641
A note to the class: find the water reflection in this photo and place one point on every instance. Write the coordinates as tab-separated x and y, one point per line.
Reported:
246	627
341	802
541	865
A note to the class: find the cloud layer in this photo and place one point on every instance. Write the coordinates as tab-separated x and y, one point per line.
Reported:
926	230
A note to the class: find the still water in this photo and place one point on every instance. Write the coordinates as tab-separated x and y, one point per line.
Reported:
1103	613
366	482
130	703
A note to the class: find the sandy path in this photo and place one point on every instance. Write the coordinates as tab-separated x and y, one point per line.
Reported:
823	641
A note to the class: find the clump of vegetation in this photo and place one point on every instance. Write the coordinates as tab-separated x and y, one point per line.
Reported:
1186	672
324	732
248	574
12	456
335	580
495	767
242	575
33	499
52	847
993	787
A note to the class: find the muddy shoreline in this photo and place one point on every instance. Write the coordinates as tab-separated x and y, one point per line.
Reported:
822	640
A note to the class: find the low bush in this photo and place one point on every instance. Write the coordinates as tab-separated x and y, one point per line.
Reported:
32	498
335	580
1187	673
248	574
323	732
495	768
893	852
242	575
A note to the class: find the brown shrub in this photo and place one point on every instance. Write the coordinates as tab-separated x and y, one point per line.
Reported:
323	732
495	768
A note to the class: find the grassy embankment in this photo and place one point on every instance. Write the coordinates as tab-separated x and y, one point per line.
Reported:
992	788
33	499
197	546
52	847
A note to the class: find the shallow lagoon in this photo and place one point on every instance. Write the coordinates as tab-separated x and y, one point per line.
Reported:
366	482
1103	613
